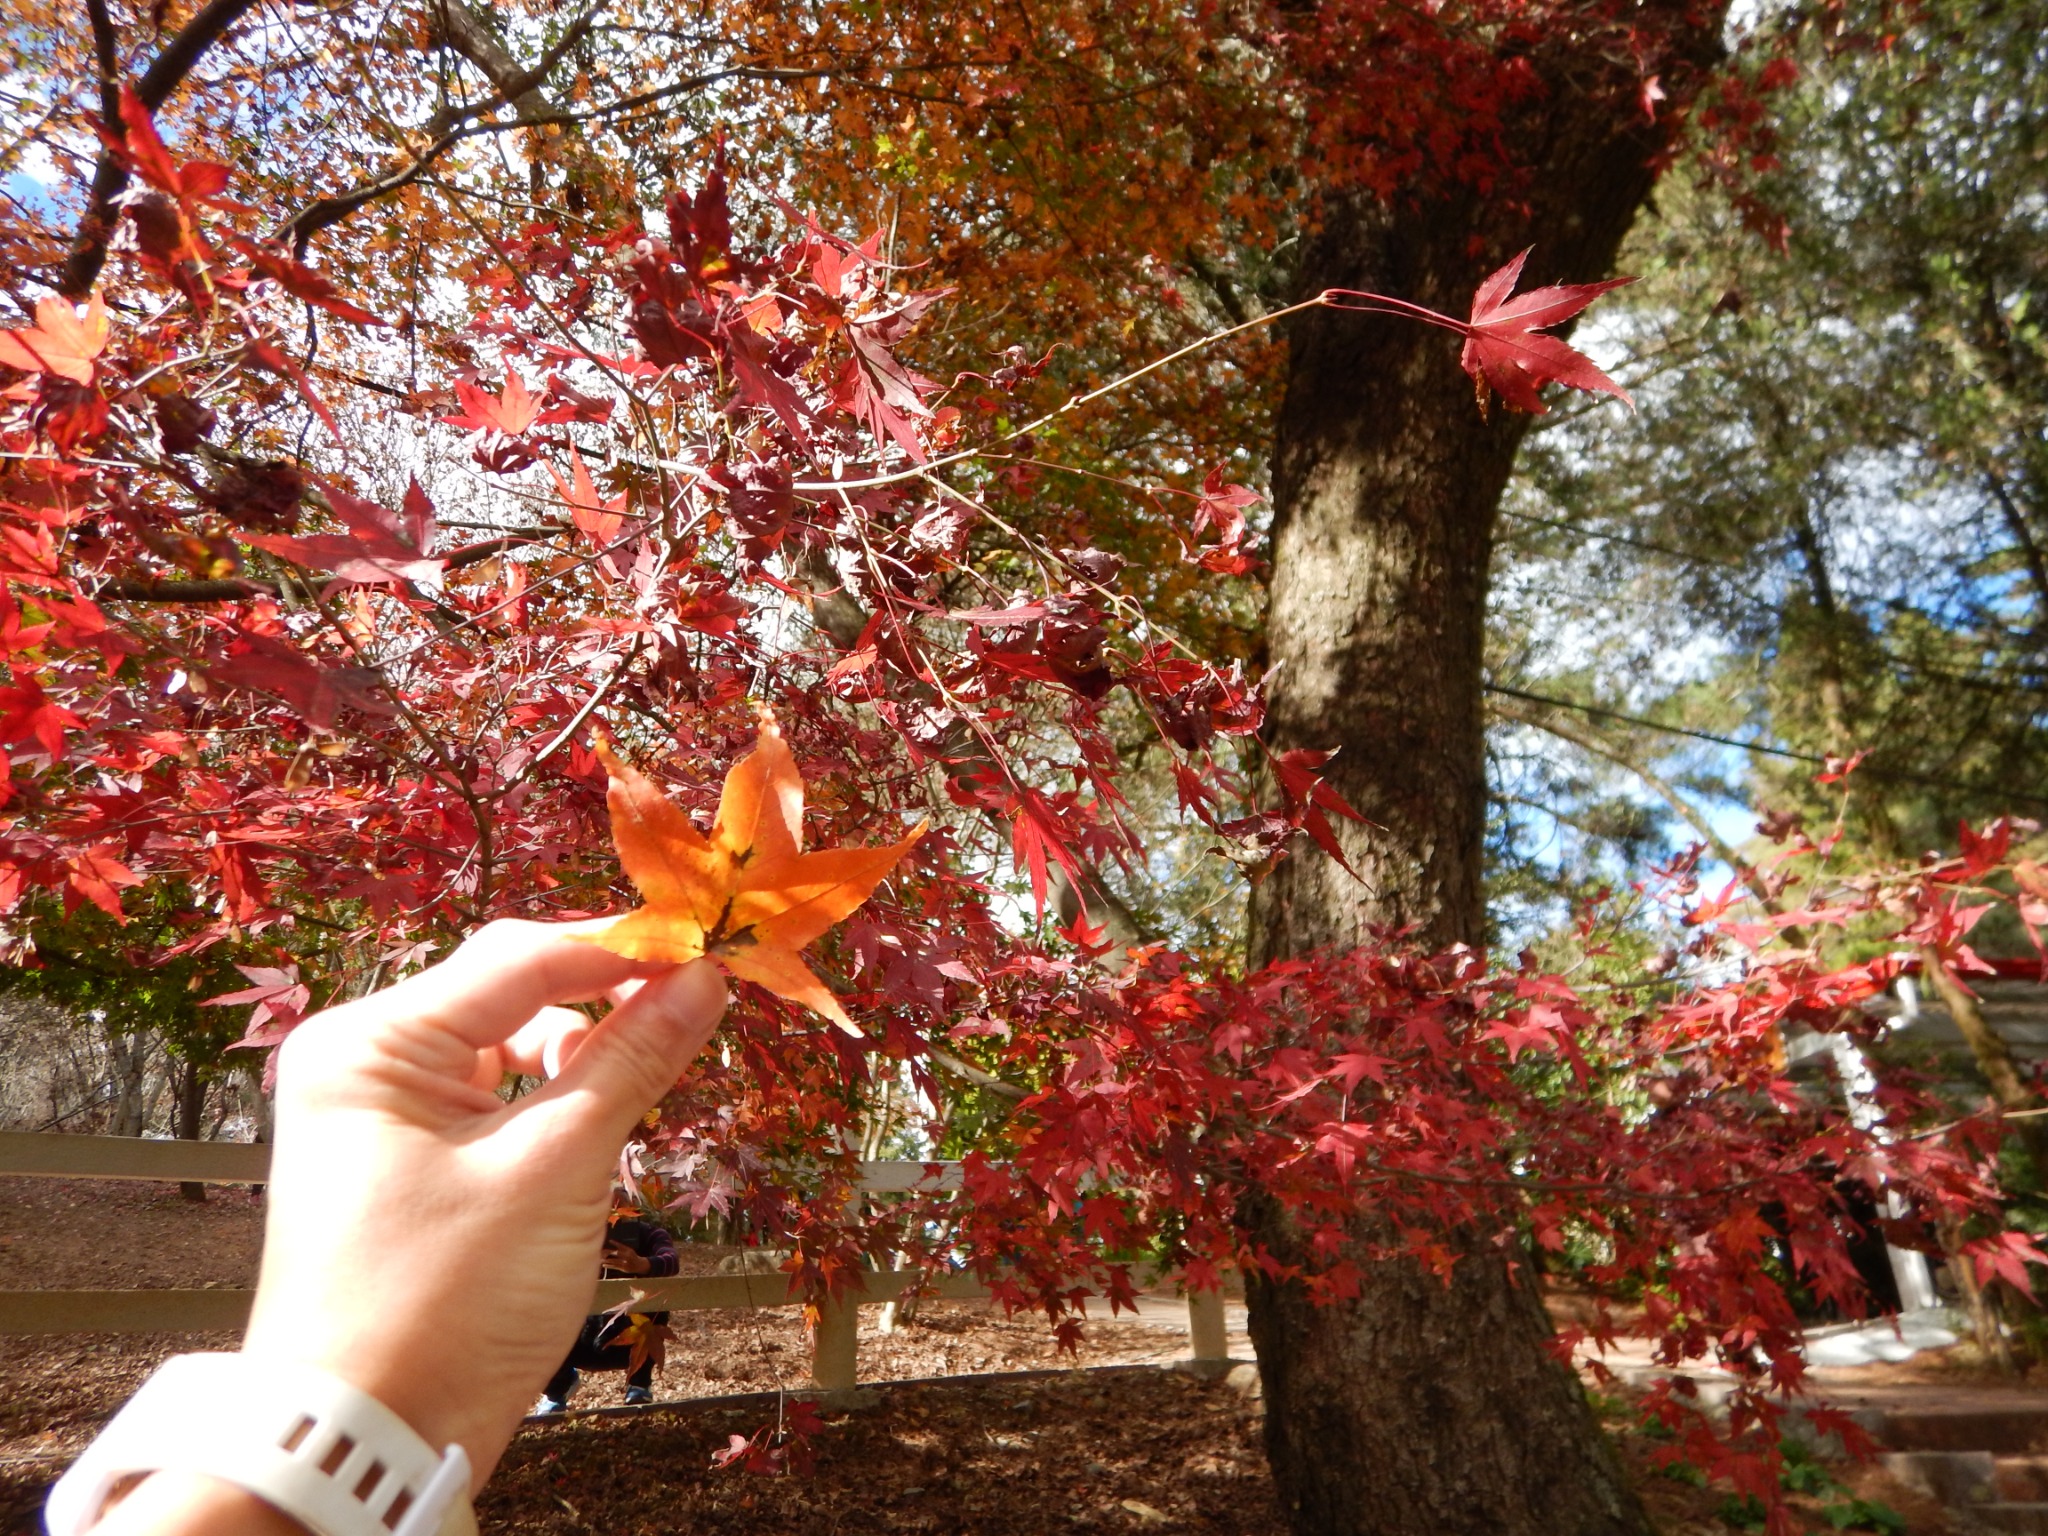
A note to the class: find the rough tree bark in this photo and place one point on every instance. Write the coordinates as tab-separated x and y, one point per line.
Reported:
1420	1408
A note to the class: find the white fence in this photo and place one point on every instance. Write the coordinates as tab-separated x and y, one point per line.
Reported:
835	1343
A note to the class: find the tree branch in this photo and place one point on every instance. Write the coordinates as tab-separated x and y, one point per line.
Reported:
834	610
239	589
1218	282
460	28
328	211
106	50
110	177
967	1069
2023	536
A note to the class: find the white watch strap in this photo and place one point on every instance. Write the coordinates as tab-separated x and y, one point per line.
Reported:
332	1457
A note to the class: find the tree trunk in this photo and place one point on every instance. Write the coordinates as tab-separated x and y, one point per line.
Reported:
190	1109
1422	1407
1429	1407
127	1061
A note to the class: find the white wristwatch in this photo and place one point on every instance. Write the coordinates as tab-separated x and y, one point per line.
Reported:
332	1457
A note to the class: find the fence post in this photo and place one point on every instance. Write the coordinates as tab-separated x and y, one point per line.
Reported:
1208	1338
835	1345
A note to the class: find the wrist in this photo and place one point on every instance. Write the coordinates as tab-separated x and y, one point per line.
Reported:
175	1503
426	1400
314	1451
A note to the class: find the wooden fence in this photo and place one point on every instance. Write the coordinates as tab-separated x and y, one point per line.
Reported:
835	1342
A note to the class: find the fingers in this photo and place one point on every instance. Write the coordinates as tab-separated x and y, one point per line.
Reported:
634	1056
542	1046
505	974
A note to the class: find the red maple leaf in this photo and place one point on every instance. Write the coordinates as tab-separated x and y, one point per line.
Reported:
510	413
93	875
1221	509
279	1001
138	143
302	282
26	712
378	548
1504	354
315	693
2005	1256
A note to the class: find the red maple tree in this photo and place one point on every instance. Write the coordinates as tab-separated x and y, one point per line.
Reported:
338	731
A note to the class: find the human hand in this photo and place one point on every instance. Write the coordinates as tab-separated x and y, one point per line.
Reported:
625	1260
428	1242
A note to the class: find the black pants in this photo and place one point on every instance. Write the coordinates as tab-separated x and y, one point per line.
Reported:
595	1351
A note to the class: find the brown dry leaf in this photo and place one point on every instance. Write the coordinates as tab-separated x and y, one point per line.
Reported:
748	895
649	1340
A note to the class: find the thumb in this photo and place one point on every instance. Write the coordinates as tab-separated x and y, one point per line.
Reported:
640	1048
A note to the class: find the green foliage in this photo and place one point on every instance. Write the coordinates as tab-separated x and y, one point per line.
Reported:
1825	529
1800	1471
94	968
1864	1515
1743	1511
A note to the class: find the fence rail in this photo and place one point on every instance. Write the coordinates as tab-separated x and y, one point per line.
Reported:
834	1343
45	1154
179	1311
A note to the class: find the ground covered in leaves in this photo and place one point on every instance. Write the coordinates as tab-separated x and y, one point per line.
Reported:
1144	1449
1141	1449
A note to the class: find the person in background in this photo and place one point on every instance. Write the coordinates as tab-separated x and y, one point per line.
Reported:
427	1255
633	1249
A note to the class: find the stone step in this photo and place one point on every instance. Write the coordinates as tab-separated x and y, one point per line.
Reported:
1954	1478
2004	1431
2020	1519
2020	1479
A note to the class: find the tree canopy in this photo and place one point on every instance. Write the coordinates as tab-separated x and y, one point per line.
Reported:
405	411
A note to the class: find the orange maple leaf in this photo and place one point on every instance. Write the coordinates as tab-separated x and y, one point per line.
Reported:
649	1341
61	341
598	518
748	895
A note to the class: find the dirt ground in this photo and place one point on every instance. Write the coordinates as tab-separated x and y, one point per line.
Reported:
1142	1449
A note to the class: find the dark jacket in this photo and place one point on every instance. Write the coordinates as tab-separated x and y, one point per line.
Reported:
651	1242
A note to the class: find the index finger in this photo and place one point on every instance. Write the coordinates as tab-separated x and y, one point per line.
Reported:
506	972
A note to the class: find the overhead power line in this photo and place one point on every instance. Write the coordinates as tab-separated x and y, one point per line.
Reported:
1762	749
1686	556
1654	725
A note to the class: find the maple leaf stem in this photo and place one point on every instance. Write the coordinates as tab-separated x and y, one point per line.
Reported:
1073	402
1380	304
1327	299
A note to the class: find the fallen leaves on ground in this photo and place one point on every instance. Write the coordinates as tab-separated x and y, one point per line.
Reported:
1074	1451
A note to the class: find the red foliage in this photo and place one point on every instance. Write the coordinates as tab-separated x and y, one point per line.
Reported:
348	742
